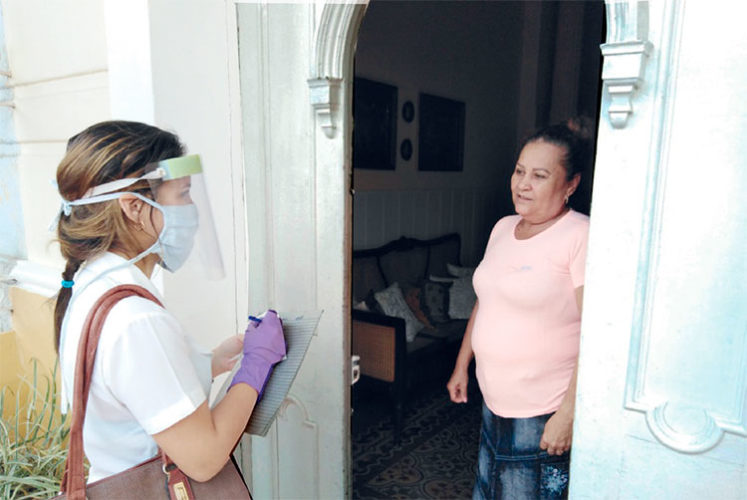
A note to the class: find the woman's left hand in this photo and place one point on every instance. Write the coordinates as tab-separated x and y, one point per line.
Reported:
556	438
225	355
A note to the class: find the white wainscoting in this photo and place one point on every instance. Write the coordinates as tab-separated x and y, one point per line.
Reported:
382	216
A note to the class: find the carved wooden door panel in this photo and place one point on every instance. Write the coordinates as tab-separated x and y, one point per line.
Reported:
662	408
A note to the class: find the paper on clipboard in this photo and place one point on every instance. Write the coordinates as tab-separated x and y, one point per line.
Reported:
298	330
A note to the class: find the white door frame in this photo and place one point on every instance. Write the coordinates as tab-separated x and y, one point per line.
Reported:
331	80
330	91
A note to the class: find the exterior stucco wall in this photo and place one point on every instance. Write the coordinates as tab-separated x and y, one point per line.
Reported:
56	54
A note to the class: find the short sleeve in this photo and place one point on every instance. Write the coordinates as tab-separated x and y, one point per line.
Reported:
147	365
578	255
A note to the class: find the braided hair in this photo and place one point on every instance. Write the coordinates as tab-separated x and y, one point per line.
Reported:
102	153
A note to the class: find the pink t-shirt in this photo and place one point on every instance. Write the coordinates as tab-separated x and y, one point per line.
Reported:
526	332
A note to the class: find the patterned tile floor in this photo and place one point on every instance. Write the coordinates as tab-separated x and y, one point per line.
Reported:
436	457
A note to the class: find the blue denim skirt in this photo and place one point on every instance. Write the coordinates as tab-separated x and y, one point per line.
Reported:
511	464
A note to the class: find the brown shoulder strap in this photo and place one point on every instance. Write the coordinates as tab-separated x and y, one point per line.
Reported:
74	480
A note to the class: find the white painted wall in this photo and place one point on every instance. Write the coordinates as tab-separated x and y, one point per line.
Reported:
73	65
57	59
12	241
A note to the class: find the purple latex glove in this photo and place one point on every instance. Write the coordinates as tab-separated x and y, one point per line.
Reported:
264	346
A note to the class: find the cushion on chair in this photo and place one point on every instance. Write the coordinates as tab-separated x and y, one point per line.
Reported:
459	271
413	298
435	301
462	298
393	303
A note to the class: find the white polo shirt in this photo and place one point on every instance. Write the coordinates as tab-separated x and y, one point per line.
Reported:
148	373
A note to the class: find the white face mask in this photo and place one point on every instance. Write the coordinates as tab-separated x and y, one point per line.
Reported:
177	237
178	234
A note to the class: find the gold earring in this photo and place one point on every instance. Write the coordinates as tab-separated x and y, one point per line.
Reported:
141	227
566	199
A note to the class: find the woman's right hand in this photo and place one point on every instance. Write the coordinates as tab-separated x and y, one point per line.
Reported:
457	386
264	346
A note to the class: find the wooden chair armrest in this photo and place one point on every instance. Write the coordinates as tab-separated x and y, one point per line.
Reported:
380	342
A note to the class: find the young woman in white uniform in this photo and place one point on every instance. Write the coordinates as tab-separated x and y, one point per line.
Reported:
132	201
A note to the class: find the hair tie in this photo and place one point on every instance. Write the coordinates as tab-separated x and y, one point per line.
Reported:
67	283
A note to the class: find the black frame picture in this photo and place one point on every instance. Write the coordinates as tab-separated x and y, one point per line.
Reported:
405	149
441	137
375	125
408	111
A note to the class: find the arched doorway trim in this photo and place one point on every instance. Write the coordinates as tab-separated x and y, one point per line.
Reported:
625	54
332	60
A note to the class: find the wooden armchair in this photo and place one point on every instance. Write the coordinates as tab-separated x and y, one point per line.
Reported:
379	340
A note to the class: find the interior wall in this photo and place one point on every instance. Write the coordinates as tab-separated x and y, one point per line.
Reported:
424	47
516	65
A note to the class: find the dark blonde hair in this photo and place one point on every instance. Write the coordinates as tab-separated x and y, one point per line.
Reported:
103	152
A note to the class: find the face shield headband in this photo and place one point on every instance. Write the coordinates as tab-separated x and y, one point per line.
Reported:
180	216
164	170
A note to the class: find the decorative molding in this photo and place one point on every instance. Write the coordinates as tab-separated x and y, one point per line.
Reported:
325	99
626	20
291	400
36	278
625	54
685	428
295	425
332	56
334	43
683	419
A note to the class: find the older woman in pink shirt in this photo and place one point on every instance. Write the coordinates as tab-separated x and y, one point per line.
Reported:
524	329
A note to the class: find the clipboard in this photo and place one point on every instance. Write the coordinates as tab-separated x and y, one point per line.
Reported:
298	330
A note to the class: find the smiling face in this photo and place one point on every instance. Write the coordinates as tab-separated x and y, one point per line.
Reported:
538	184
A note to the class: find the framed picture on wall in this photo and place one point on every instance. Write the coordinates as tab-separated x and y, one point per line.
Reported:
441	138
374	125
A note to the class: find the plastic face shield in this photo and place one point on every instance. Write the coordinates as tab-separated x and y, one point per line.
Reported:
180	181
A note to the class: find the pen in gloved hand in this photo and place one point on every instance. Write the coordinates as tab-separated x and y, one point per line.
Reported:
258	321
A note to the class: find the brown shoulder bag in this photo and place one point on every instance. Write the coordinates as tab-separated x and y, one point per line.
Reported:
156	478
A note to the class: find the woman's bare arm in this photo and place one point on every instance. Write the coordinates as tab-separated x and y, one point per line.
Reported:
457	385
201	443
556	438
